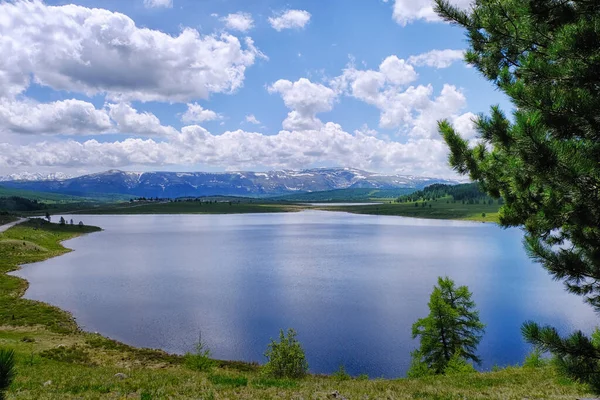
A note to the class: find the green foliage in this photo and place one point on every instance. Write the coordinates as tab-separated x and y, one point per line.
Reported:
544	55
16	203
576	356
286	358
451	331
200	359
458	365
7	370
418	368
341	374
72	354
469	192
535	359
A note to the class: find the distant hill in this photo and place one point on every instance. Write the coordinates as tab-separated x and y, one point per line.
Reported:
57	198
249	184
345	195
467	192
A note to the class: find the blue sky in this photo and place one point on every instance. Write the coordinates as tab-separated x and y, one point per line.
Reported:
232	84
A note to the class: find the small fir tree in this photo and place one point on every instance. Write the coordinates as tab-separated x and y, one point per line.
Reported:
449	335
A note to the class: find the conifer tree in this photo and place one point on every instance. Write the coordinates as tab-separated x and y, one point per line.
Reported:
545	162
451	331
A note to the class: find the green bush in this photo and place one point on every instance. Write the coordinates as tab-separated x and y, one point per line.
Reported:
199	360
535	360
341	374
286	358
458	365
7	370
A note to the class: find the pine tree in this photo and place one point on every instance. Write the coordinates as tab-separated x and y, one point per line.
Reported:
7	370
451	331
544	55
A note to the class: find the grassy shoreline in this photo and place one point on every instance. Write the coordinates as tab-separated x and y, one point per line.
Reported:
56	360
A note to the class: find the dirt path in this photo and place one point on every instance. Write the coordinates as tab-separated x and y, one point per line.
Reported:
10	225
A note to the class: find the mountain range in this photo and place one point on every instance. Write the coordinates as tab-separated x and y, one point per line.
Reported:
250	184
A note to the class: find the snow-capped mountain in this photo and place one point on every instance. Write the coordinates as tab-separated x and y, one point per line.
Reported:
254	184
36	176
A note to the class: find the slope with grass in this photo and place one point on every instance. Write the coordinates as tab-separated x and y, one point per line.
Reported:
442	208
55	360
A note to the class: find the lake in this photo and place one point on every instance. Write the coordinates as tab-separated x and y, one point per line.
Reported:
351	285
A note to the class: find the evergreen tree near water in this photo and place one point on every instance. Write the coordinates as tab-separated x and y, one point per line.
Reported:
545	161
449	335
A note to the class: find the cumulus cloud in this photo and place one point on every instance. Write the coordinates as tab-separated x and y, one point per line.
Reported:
306	99
250	118
386	90
240	150
240	21
437	58
290	19
129	120
196	113
67	117
92	51
158	3
407	11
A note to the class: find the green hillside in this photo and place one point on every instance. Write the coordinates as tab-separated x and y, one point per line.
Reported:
343	195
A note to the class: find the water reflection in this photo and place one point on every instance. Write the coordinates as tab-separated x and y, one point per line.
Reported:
351	285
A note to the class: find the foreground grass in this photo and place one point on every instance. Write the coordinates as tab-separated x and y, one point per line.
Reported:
55	360
440	209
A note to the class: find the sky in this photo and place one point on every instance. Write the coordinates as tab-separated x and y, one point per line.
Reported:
229	85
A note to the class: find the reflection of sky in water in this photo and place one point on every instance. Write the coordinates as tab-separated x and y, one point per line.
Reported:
351	285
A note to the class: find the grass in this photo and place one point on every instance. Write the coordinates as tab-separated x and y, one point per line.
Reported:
55	360
442	208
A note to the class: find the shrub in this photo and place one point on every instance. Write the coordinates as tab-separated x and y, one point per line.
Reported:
286	358
199	360
535	360
7	370
341	374
458	365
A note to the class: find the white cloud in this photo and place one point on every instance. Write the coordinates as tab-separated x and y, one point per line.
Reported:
290	19
195	113
158	3
437	58
129	120
95	51
306	100
67	117
407	11
236	150
250	118
240	21
386	90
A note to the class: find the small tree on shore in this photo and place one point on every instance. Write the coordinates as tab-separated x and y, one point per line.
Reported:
62	221
286	357
450	334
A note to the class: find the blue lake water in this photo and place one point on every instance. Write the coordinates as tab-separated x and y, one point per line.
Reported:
351	285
